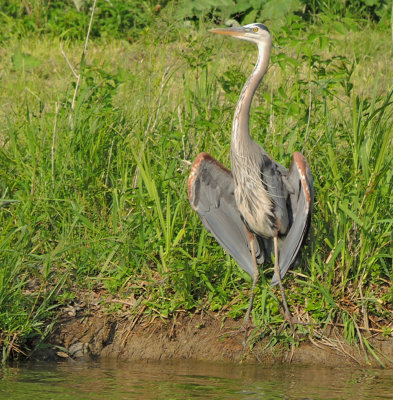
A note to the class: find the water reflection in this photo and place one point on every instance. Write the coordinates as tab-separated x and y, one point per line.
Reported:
190	380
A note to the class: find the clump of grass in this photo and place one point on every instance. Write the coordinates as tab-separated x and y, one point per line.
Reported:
70	19
101	202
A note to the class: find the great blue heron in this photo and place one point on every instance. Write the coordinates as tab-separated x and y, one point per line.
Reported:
260	208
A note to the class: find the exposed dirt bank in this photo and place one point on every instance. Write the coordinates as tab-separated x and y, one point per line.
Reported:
93	334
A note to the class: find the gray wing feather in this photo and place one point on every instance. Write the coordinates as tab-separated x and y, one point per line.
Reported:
272	178
300	187
211	194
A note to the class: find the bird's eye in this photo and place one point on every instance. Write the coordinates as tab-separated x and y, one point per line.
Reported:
255	29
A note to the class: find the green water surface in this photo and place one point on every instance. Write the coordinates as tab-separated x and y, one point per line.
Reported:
190	380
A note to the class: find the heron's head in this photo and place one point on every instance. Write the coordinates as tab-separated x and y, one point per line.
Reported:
256	33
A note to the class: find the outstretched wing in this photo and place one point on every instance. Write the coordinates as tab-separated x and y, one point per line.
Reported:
211	194
300	186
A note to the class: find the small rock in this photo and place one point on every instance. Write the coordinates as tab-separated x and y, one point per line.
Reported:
79	350
62	354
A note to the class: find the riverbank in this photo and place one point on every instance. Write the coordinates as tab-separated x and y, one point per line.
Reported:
88	332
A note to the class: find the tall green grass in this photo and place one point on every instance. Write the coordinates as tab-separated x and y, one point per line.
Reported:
101	203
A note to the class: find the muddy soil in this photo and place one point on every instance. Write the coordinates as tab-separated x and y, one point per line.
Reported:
92	333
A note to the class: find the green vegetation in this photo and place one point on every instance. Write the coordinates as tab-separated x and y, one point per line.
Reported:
95	153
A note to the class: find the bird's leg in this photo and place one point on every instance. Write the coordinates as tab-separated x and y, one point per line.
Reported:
287	314
254	282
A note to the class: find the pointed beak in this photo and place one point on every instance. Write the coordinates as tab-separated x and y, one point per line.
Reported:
229	31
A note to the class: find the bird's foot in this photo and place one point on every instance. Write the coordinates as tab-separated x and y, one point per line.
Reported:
291	321
247	327
244	329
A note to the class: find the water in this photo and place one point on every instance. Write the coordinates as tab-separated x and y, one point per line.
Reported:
190	380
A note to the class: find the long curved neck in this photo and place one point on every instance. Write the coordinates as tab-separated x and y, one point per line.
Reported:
240	127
